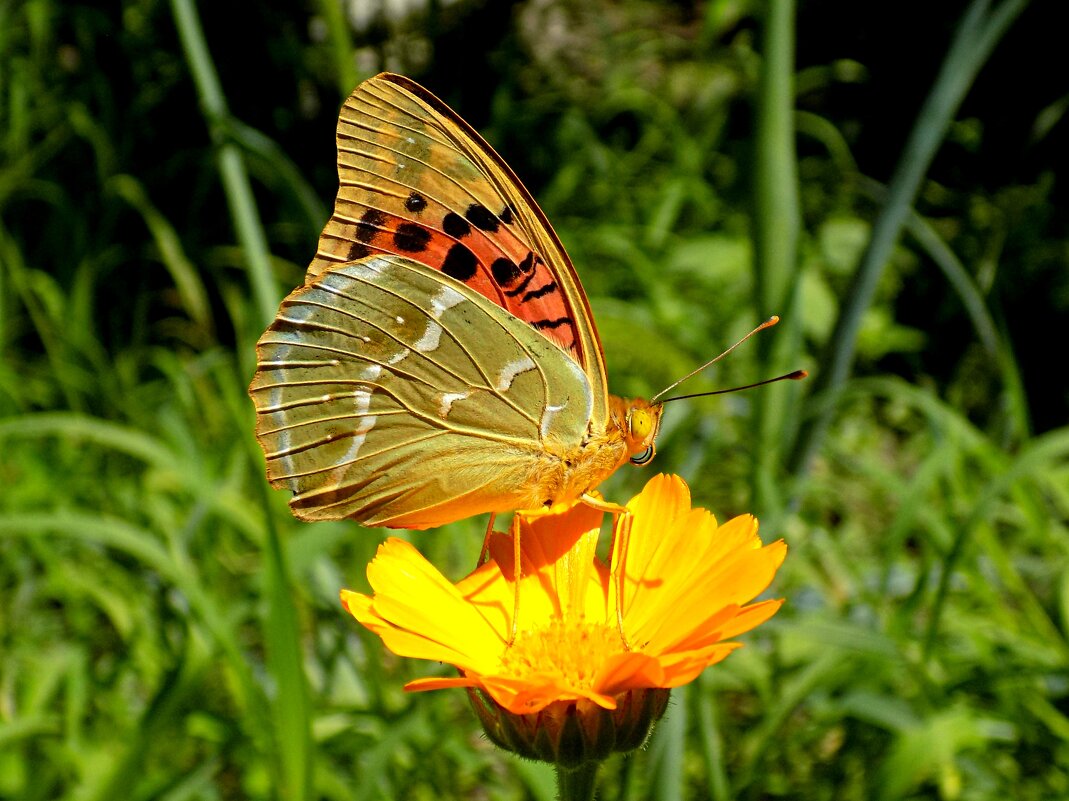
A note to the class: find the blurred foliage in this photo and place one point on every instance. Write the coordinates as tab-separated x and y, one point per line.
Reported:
168	631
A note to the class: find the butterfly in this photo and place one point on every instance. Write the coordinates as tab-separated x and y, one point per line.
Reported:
440	360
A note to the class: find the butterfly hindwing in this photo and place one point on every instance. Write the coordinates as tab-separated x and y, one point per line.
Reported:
388	392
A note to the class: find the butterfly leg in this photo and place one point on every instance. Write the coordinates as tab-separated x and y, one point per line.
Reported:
594	500
517	568
618	558
484	554
621	525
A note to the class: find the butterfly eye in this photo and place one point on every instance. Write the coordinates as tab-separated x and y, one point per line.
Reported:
645	457
640	424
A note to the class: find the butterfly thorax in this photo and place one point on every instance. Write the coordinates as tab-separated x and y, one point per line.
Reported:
570	471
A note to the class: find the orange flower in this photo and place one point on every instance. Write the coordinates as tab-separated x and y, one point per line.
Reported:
687	583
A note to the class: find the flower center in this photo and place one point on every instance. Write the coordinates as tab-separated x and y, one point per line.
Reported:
575	650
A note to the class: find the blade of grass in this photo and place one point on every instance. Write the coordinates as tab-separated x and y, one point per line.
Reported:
341	44
667	747
776	214
186	279
140	544
776	224
32	289
1040	454
232	169
977	35
712	742
163	717
283	170
282	635
290	705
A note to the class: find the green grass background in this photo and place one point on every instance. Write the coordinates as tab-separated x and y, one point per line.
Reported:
887	180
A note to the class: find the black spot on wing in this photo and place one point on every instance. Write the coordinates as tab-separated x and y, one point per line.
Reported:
543	324
358	251
506	215
522	287
541	292
528	262
415	203
369	224
455	225
505	272
460	263
482	218
411	238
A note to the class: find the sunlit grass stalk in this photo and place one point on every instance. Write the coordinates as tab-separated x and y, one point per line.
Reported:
341	44
1042	454
776	224
979	32
231	162
667	747
293	739
19	279
776	215
285	656
971	299
708	723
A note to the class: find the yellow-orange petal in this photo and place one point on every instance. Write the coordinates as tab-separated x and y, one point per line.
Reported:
749	617
423	613
538	695
724	566
440	683
401	641
627	670
683	667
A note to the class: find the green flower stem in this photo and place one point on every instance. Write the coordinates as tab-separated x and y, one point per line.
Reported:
577	784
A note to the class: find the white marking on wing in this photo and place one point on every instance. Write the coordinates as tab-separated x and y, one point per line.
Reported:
364	269
363	426
547	417
397	357
446	299
400	320
448	399
429	340
511	370
372	372
278	421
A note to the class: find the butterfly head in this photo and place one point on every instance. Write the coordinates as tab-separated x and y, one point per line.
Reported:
642	422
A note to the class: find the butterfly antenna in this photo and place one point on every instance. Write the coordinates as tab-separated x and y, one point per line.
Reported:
771	321
796	375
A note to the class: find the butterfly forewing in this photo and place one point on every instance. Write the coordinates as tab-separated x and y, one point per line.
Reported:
417	181
388	392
